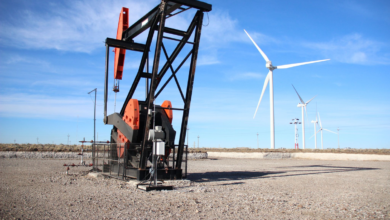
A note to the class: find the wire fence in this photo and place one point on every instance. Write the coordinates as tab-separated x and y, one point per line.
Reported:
113	159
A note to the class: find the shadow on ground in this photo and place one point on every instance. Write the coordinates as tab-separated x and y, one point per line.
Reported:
286	172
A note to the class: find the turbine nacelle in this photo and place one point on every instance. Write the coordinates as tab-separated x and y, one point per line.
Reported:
269	66
301	105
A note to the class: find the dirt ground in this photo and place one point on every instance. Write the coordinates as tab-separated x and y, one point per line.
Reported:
220	188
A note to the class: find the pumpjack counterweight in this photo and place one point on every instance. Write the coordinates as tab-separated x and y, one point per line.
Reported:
142	124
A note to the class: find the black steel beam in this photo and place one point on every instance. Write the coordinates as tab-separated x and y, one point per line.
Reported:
125	45
144	59
146	75
143	174
194	4
179	46
169	79
171	38
190	85
180	109
174	31
146	21
173	72
153	85
116	120
106	84
182	10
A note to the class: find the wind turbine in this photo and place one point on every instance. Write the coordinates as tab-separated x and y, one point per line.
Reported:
315	131
338	137
321	129
303	105
269	78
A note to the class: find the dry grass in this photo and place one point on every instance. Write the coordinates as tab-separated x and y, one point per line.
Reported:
77	148
248	150
43	147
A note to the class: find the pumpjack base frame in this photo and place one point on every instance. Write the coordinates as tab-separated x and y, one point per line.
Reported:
157	188
143	174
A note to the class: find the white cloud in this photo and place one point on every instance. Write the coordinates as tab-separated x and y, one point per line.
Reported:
352	48
80	26
28	60
246	76
339	84
132	64
207	59
42	106
223	29
356	9
13	62
359	57
65	82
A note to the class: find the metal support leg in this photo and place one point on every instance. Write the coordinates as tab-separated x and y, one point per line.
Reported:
186	159
190	85
106	85
153	85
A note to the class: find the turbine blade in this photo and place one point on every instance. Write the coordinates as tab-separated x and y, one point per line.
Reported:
303	102
312	136
319	130
258	48
310	100
329	131
298	64
262	93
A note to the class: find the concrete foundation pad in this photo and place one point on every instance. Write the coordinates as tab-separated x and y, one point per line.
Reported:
155	188
94	175
135	183
178	182
333	156
311	156
70	155
175	183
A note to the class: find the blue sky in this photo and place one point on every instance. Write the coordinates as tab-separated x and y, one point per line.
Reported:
52	54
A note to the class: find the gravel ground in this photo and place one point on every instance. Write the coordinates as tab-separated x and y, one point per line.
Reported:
219	188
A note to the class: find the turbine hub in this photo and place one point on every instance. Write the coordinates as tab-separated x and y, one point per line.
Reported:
268	64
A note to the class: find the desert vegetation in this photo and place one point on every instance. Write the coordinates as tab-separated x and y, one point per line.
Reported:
284	150
88	147
44	147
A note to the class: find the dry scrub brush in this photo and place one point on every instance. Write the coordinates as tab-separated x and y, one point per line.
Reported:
43	147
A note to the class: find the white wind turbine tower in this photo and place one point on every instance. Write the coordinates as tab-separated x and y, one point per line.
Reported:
321	129
315	131
303	105
269	79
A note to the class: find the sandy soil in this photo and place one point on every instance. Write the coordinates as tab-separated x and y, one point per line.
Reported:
220	188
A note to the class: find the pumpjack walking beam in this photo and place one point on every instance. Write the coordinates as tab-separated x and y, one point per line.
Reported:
155	21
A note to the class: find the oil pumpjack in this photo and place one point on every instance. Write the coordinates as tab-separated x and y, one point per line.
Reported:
142	131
